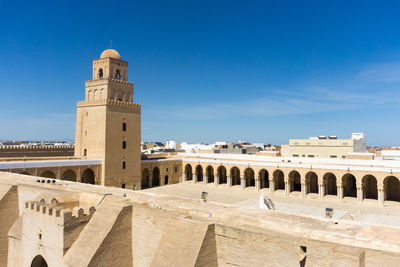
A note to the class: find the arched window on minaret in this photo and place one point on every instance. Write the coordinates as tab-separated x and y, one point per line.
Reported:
118	75
100	76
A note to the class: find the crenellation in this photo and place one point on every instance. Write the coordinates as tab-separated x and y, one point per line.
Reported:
77	212
36	206
66	215
57	211
54	201
90	211
43	209
111	102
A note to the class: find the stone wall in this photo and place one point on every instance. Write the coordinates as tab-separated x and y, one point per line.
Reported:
8	215
36	151
133	228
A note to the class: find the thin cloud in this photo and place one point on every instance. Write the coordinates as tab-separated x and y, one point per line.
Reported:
377	85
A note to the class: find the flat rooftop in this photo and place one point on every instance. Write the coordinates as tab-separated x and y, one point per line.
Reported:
349	209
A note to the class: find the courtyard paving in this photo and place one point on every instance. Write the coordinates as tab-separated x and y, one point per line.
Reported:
366	212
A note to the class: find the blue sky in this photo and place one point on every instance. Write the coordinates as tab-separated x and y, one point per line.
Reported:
261	71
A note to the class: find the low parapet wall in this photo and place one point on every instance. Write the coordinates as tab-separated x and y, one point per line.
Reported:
35	151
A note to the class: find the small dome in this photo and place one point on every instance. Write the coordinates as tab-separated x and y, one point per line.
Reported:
110	53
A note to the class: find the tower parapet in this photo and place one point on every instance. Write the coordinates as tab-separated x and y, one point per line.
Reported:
110	102
57	214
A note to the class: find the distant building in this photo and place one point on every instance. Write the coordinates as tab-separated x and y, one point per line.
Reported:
196	147
235	149
171	145
390	152
325	147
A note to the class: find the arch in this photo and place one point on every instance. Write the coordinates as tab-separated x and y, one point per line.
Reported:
235	176
69	175
278	177
166	179
349	185
48	174
249	177
25	173
100	74
88	176
294	180
38	261
118	75
263	175
312	182
210	174
199	173
391	186
221	175
145	179
188	172
96	94
370	187
330	183
156	177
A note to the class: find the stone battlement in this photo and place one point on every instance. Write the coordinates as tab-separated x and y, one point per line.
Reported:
60	215
110	102
103	80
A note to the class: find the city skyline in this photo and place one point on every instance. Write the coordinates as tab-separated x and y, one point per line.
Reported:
218	72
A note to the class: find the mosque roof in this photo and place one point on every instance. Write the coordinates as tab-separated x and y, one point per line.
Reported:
110	53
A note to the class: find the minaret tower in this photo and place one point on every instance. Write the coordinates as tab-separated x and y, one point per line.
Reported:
108	122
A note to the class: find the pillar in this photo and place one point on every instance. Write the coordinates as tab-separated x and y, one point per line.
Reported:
194	180
287	188
79	174
271	186
321	191
303	189
229	181
364	194
205	178
340	192
216	179
162	179
258	184
184	177
151	179
242	182
360	194
381	196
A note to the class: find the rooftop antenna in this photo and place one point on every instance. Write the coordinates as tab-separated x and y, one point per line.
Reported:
110	44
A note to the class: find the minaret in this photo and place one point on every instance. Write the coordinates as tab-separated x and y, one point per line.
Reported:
108	122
